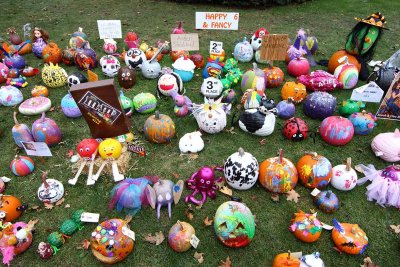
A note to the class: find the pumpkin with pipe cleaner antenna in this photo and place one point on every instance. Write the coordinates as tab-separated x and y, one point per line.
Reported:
295	129
319	105
46	130
159	128
315	171
51	190
306	227
349	238
21	132
22	165
241	170
387	146
40	90
253	79
179	236
69	107
10	96
327	201
10	208
52	53
54	76
294	90
363	122
349	107
234	224
344	177
336	130
278	174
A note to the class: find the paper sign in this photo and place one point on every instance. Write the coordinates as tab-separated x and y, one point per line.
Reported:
128	232
187	41
327	226
92	77
370	92
194	241
109	29
217	21
215	47
36	149
315	192
274	46
90	217
390	106
5	179
296	255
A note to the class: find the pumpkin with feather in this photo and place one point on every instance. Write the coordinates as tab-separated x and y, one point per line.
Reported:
349	238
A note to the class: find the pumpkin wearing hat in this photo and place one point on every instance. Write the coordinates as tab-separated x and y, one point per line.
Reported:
363	38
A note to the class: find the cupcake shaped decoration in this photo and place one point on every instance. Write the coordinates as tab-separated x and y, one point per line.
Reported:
184	67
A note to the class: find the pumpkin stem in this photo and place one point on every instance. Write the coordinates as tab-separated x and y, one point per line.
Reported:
364	112
179	24
157	115
348	164
312	153
288	253
43	116
241	152
15	118
44	175
281	155
328	194
344	60
180	224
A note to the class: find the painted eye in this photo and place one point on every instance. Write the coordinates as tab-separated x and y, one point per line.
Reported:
240	226
224	226
208	182
128	74
2	214
87	149
123	75
81	150
202	181
129	54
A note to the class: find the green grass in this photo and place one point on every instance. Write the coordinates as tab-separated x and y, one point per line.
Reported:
330	21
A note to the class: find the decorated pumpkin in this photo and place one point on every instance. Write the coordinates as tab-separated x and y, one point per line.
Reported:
145	103
285	260
4	70
278	174
315	171
234	224
346	73
286	109
336	130
52	53
109	242
179	236
76	78
10	96
184	67
87	147
243	51
349	107
46	130
68	56
319	105
40	90
273	76
177	54
22	165
294	90
191	143
35	105
54	76
211	87
126	104
334	60
110	46
213	68
169	82
320	80
126	77
77	39
253	79
241	170
251	99
13	60
110	149
387	146
220	55
295	129
306	227
86	58
326	201
349	238
151	51
51	190
69	107
256	38
198	60
178	29
21	132
344	177
11	208
363	122
298	66
159	128
211	116
258	121
131	40
109	65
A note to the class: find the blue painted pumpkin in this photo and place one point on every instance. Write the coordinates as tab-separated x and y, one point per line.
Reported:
69	107
363	122
243	51
213	68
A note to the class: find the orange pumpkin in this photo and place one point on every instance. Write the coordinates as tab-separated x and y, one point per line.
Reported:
278	174
221	55
68	56
177	54
24	50
10	208
349	238
306	227
273	76
334	63
294	90
159	128
315	171
123	55
285	260
52	53
151	51
40	90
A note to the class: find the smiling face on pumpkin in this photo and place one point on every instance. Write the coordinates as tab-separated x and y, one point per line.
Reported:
168	83
110	148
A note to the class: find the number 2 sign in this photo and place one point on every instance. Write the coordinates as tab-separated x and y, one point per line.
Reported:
215	47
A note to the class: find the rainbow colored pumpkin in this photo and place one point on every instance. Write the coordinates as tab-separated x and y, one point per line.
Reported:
315	171
159	128
306	227
336	130
334	60
46	130
22	165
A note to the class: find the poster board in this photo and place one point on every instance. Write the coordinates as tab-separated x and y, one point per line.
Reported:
187	42
390	105
109	29
274	46
217	21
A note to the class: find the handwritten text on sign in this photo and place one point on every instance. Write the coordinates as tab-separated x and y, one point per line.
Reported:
109	29
370	92
217	20
274	46
188	42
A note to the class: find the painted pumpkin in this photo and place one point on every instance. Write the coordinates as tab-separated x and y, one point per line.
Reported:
50	191
274	76
169	82
298	67
363	122
319	105
213	68
334	60
179	236
234	224
286	109
110	46
144	103
258	121
294	90
68	56
131	40
387	146
110	149
191	143
11	208
10	96
211	116
315	171
46	130
251	99
40	90
87	147
285	260
159	128
52	53
327	201
253	79
77	39
21	132
177	54
14	60
349	238
349	106
295	129
320	80
4	70
109	65
35	105
220	55
178	29
347	74
344	177
151	51
336	130
126	104
126	77
306	227
198	60
109	244
86	58
243	52
211	87
54	76
278	174
22	166
241	170
256	38
184	67
313	260
76	78
2	186
69	107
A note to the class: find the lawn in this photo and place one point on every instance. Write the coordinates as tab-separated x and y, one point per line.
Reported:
330	21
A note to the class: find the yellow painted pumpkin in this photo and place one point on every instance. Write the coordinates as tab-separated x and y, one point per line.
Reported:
54	76
159	128
294	90
110	148
52	53
349	238
285	260
221	55
40	90
315	171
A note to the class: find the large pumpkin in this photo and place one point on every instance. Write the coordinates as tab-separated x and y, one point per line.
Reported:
11	208
336	130
349	238
273	76
294	90
22	166
315	171
241	170
298	67
319	105
52	53
179	236
334	60
159	128
253	79
306	227
278	174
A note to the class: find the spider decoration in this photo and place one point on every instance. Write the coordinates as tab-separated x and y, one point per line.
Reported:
203	182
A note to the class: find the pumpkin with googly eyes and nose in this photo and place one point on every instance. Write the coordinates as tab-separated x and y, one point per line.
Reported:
241	170
87	147
134	58
126	77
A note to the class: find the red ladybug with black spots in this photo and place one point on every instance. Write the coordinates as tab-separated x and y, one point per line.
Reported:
295	129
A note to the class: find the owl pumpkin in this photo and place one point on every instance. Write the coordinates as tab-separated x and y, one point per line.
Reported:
54	76
126	77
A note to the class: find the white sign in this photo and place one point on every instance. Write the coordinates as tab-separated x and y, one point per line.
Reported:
217	21
90	217
368	93
128	232
216	47
109	29
194	241
36	149
187	41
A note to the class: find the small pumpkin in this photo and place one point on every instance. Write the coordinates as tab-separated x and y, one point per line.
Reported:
349	106
363	122
198	60
336	130
52	53
327	201
294	90
334	60
51	190
285	260
295	129
298	66
46	130
286	109
22	166
346	73
349	238
177	54
213	68
179	236
273	76
151	52
241	170
159	128
40	90
315	171
306	227
110	149
344	177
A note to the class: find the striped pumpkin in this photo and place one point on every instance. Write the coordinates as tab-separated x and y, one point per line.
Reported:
22	166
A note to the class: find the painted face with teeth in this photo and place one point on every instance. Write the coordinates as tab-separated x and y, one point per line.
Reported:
134	58
110	148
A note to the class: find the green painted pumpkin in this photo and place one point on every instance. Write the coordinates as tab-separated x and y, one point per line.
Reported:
77	216
55	239
159	128
68	227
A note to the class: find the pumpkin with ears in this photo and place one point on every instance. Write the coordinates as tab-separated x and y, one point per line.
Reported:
294	90
159	128
315	171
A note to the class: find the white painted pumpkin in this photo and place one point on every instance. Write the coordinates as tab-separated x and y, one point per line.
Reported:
211	116
10	96
191	143
109	65
50	191
35	105
344	177
241	170
211	87
258	121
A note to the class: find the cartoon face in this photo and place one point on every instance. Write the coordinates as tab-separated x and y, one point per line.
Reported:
168	83
54	76
110	66
52	193
151	70
212	69
134	58
76	78
126	77
87	147
10	208
110	148
211	117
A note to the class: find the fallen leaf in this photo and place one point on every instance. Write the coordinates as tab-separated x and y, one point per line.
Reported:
199	207
263	141
58	203
35	208
48	206
193	156
157	239
226	263
312	211
292	195
395	228
367	262
226	190
219	185
70	153
189	212
176	175
208	222
199	257
275	197
231	130
67	206
254	198
85	244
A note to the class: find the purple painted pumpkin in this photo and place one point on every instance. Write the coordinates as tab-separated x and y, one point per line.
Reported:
319	105
21	132
286	109
10	96
336	130
14	61
86	58
46	130
69	107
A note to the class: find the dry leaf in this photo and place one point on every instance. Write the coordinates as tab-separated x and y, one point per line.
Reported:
157	239
199	207
219	185
208	222
395	228
226	190
58	203
263	141
254	198
292	195
275	197
199	257
35	208
85	244
231	130
67	206
70	153
226	263
176	175
312	211
48	206
189	212
193	156
367	262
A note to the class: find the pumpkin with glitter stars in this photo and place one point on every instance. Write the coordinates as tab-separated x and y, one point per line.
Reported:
315	171
319	105
306	227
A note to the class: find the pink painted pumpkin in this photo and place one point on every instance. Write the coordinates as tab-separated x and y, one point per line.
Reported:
46	130
336	130
298	66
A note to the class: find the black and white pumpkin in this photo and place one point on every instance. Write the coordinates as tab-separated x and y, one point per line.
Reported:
241	170
258	121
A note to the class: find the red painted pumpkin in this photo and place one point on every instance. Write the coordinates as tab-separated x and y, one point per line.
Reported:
159	128
349	238
177	54
40	90
285	260
278	174
68	56
151	51
298	66
315	171
294	90
336	130
52	53
306	227
273	76
295	129
334	60
198	60
22	166
87	147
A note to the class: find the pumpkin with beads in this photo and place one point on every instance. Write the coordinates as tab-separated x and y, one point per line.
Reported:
349	238
294	90
274	76
159	128
306	227
315	171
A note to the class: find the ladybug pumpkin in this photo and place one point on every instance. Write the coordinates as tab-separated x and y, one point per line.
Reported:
10	208
295	129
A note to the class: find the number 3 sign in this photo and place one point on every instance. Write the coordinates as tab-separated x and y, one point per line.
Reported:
211	87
